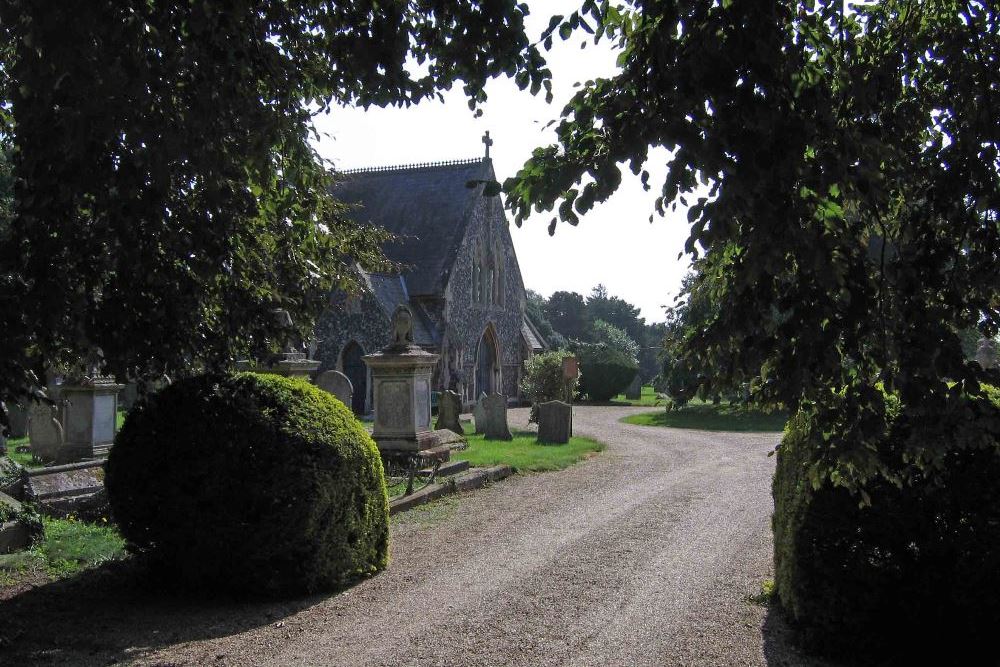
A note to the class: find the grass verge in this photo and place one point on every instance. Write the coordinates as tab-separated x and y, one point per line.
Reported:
524	454
708	417
68	547
24	458
647	397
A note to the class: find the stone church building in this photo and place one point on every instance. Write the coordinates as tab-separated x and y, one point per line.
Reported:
460	277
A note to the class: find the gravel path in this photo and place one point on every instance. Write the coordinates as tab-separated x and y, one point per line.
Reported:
643	555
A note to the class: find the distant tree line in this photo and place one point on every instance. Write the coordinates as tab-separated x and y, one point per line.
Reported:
567	317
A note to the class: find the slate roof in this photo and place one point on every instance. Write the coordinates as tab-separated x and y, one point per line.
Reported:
531	336
390	291
428	206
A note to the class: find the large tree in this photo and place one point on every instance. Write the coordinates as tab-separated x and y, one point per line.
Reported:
567	312
167	198
841	171
615	310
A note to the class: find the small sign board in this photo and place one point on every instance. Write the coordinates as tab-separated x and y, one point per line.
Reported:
571	368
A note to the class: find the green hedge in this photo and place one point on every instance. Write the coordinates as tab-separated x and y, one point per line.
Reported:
604	371
256	484
916	571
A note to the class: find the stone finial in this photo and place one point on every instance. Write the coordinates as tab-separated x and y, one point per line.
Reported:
402	327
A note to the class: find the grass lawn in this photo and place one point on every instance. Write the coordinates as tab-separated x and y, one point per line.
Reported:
68	547
647	396
524	454
708	417
24	458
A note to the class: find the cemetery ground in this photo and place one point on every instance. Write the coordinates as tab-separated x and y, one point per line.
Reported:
701	415
653	553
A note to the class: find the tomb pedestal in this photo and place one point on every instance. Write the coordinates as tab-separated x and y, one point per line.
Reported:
401	381
89	414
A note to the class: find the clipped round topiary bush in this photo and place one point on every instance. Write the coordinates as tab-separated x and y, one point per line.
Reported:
255	484
604	371
917	570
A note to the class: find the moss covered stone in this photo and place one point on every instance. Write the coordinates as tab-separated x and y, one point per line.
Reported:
250	483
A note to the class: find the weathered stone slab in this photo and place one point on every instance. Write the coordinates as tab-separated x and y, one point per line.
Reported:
337	384
634	391
495	408
14	535
479	415
74	488
555	422
449	412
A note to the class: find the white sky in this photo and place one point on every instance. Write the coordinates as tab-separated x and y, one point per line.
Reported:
614	244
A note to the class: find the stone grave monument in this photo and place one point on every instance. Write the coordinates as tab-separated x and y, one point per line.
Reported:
337	384
495	408
90	412
479	414
634	391
449	412
293	362
401	381
555	422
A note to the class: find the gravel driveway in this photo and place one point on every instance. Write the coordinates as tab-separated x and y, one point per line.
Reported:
643	555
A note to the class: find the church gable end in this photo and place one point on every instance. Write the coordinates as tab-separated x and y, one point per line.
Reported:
460	275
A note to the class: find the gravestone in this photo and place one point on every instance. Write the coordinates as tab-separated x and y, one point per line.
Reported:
337	384
634	391
449	411
45	431
479	414
495	409
18	417
555	422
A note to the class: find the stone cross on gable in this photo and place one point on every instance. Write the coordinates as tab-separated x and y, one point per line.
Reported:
488	142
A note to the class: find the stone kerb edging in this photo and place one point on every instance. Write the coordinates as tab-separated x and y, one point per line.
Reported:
467	481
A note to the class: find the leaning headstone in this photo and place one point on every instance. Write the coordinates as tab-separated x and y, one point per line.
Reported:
634	391
449	411
555	422
495	407
45	431
337	384
479	414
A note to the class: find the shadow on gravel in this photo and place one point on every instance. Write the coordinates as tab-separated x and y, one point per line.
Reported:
779	645
115	613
